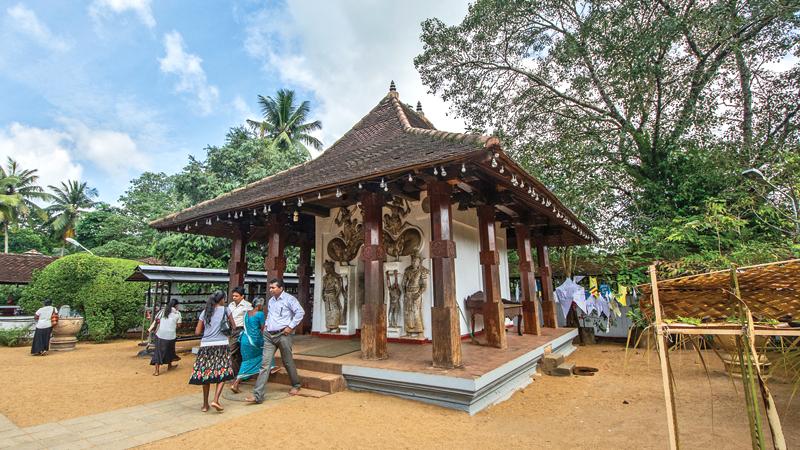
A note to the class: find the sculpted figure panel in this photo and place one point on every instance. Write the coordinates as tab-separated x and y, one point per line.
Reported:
344	247
415	283
332	290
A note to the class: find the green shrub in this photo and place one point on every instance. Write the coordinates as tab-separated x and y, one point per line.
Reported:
15	337
93	286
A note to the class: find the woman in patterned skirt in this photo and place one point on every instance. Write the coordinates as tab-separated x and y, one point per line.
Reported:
213	363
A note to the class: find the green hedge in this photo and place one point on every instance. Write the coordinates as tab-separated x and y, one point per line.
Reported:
95	287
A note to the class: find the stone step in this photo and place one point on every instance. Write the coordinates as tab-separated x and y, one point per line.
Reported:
315	365
564	369
551	361
319	381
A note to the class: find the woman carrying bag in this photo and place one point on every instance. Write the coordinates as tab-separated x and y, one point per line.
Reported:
166	325
213	363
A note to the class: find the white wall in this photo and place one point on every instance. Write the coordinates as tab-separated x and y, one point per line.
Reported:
467	263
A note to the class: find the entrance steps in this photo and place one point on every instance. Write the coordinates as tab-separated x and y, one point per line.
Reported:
314	374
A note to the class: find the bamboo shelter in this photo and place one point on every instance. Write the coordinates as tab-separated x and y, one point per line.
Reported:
737	295
771	291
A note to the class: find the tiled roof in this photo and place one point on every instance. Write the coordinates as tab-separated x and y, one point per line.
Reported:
389	139
18	268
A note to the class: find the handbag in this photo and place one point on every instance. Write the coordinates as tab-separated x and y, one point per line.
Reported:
54	318
225	326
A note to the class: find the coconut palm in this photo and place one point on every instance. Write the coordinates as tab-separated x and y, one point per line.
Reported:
69	201
25	187
285	123
9	202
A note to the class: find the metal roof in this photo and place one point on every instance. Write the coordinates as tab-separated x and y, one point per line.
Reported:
198	275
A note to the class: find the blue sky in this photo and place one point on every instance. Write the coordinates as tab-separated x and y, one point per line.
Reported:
103	90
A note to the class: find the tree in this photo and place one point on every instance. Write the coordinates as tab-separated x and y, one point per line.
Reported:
70	200
10	200
624	84
285	125
25	187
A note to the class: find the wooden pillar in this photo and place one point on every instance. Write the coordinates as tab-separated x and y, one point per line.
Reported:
530	310
373	312
446	329
304	282
275	263
545	274
493	311
237	266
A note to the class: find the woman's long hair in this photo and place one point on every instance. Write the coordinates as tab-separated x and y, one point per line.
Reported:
211	303
173	303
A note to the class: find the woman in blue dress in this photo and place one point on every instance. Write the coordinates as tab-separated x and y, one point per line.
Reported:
252	344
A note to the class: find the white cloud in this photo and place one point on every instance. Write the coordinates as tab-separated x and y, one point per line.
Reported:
26	22
44	149
242	110
104	8
113	152
70	152
346	53
191	76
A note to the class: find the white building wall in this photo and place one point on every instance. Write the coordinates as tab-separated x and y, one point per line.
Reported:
467	263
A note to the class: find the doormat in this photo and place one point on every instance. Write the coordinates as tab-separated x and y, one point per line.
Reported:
334	349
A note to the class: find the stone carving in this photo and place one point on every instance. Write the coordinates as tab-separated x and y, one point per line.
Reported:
332	290
394	297
400	238
344	247
415	282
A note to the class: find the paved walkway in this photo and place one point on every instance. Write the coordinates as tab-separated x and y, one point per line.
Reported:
129	427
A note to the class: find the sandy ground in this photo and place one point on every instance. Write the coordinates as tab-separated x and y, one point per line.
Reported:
613	409
91	379
610	410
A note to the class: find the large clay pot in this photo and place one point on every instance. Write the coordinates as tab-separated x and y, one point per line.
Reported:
730	356
65	334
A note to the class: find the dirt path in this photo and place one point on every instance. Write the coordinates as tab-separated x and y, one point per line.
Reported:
91	379
610	410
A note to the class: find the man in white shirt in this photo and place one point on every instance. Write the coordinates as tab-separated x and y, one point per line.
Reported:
284	313
237	309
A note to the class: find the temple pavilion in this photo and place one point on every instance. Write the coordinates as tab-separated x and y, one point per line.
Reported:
406	221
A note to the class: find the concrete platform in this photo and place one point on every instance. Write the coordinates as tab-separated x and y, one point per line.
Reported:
488	375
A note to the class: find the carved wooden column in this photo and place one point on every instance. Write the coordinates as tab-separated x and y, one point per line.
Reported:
493	311
445	324
304	281
530	311
275	263
545	274
373	312
237	266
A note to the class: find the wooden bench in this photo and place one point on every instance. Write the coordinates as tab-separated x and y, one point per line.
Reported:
474	306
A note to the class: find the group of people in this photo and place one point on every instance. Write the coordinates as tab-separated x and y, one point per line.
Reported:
238	341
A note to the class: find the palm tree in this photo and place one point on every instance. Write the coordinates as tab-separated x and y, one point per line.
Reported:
69	201
9	202
24	185
285	123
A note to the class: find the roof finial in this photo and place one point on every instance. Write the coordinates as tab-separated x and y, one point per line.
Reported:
392	87
419	108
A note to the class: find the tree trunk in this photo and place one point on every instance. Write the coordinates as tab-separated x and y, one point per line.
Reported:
5	233
745	77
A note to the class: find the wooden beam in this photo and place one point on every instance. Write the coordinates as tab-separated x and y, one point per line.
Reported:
304	271
237	266
661	343
549	310
493	310
530	307
315	210
275	263
446	329
373	312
